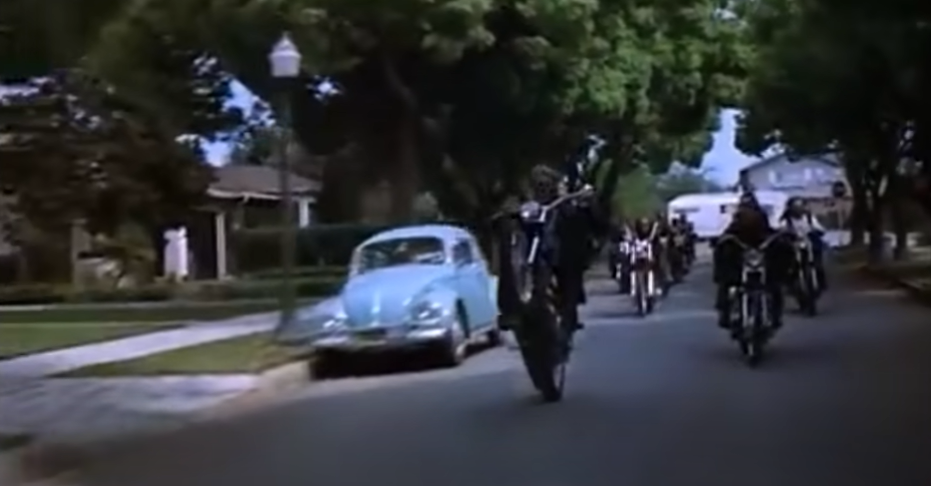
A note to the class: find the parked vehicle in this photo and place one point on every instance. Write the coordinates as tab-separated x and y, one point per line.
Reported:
418	288
710	213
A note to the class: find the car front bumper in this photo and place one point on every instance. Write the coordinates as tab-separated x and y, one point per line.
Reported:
392	341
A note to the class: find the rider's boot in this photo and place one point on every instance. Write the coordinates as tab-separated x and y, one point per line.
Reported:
777	301
722	304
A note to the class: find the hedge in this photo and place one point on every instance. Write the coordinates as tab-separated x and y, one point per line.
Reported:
210	291
332	271
259	250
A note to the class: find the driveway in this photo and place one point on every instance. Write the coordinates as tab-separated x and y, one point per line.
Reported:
844	400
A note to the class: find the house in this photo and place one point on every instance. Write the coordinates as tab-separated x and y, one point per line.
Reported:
244	196
241	196
819	179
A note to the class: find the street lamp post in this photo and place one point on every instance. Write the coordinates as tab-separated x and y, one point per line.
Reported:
285	61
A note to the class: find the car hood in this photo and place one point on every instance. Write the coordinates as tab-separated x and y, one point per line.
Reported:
382	297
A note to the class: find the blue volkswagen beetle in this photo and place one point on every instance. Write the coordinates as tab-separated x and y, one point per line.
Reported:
413	288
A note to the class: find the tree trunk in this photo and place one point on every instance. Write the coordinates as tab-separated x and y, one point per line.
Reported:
858	213
404	176
896	204
874	223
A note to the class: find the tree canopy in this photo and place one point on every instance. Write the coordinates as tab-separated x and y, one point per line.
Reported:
453	97
845	77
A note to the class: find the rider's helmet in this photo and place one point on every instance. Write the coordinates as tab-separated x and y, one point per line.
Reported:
545	183
642	225
797	205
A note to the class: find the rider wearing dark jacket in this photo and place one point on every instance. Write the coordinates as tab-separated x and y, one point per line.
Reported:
750	225
576	225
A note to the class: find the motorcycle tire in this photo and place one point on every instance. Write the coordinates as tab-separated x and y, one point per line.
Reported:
753	343
541	339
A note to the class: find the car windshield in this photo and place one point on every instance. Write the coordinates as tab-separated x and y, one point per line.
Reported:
425	250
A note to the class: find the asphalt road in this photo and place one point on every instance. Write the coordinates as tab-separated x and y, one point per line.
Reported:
845	399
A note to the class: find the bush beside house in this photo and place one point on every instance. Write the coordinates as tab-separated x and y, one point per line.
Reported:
45	294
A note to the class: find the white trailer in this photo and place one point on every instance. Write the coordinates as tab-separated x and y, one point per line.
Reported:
710	213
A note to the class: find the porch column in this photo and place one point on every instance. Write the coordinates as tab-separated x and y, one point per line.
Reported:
219	224
304	217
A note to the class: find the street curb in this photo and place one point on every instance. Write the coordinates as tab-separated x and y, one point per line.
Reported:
270	385
51	464
920	294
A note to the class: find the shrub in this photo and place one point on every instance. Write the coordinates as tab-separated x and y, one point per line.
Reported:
143	293
32	294
208	291
331	271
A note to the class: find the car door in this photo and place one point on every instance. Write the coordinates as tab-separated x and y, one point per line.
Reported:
468	274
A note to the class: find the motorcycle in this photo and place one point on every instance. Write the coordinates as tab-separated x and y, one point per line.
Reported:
807	286
642	275
678	257
543	338
752	300
622	260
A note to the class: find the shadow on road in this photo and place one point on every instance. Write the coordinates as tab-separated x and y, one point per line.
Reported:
624	310
782	355
393	363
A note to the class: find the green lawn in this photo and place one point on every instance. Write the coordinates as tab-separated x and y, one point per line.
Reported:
22	339
154	313
249	354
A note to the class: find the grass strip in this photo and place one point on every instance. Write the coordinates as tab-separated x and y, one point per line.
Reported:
241	355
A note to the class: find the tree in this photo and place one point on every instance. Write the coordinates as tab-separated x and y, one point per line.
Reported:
459	97
74	150
684	181
454	97
843	77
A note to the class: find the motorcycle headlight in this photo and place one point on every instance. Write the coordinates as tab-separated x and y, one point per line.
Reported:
753	259
427	313
530	211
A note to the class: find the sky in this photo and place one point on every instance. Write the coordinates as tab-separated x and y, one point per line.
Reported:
722	163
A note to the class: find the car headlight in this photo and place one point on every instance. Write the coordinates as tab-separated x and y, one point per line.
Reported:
335	322
427	313
323	322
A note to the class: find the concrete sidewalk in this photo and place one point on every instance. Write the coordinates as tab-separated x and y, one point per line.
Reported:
59	361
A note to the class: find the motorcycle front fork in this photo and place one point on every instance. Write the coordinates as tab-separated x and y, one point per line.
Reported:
651	283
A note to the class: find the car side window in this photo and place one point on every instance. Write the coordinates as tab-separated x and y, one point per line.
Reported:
462	253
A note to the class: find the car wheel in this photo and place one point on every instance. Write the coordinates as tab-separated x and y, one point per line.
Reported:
493	338
324	366
454	347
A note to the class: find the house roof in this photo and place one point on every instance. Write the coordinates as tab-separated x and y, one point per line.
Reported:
256	181
827	158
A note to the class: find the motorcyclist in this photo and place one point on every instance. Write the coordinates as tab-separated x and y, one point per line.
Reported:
645	228
575	225
751	226
798	220
666	257
688	232
681	239
617	234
